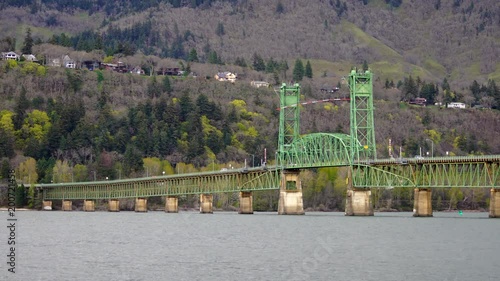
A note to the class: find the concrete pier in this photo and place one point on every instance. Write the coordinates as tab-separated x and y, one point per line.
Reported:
246	203
171	204
422	203
141	205
359	202
114	205
89	205
290	202
206	203
495	203
67	205
47	205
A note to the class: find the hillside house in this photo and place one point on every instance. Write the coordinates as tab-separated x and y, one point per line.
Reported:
68	62
171	71
456	105
137	70
30	57
226	76
91	64
258	84
10	56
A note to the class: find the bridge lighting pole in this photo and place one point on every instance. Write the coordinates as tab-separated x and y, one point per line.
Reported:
432	147
253	159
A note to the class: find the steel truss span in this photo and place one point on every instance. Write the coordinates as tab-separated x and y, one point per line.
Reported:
196	183
480	174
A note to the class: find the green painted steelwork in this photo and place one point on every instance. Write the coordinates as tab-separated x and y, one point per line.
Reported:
318	150
356	151
289	130
362	125
480	174
196	183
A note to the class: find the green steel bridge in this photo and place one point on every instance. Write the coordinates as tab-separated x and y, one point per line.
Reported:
357	151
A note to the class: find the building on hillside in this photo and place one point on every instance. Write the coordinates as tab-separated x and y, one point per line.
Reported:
137	70
68	62
10	56
171	71
30	57
456	105
91	64
418	101
258	84
226	76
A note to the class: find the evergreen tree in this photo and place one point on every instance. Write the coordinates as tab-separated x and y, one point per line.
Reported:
5	169
365	65
308	71
193	55
410	90
298	71
220	29
258	63
445	85
280	9
240	62
154	90
28	43
165	85
20	110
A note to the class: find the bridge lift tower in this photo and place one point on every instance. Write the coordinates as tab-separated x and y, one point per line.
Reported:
361	118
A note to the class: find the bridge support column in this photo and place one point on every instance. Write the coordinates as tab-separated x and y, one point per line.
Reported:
206	203
495	203
141	205
89	205
113	205
67	205
246	203
171	204
290	202
47	205
359	202
422	203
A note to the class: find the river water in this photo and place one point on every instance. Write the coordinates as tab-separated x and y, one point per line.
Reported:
265	246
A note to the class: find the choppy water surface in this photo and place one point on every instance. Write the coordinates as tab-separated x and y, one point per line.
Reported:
226	246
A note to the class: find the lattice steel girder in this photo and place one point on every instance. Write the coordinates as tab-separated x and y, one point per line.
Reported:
289	118
212	182
428	175
318	150
361	116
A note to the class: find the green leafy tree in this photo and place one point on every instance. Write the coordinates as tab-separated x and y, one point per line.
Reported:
26	171
298	71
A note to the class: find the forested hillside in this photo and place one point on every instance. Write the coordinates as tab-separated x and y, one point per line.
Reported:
60	125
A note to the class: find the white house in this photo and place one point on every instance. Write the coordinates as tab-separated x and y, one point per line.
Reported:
30	57
258	84
456	105
226	76
10	56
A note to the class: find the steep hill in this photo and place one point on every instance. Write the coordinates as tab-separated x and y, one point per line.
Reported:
433	39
